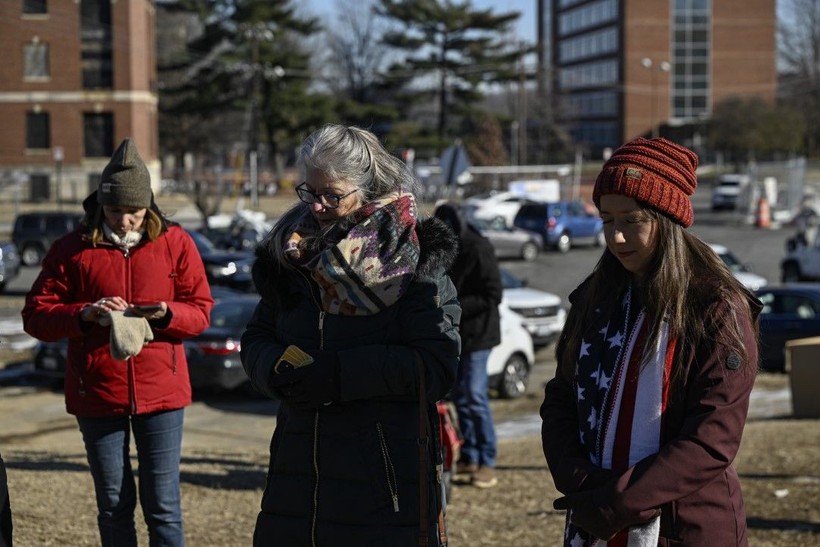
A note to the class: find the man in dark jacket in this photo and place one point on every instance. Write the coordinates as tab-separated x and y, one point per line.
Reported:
478	282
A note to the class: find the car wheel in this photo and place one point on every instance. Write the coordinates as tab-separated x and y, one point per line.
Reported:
513	381
563	244
791	273
600	239
31	255
529	251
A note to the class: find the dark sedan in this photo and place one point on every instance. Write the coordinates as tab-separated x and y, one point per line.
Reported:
213	355
790	312
226	268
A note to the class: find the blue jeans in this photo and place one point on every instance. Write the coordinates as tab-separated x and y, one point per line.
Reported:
473	405
158	438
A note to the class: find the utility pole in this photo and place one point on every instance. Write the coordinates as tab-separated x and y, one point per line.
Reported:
253	143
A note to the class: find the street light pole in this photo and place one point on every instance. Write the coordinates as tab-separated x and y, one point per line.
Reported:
663	66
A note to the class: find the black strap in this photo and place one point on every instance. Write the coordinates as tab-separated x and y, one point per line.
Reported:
424	453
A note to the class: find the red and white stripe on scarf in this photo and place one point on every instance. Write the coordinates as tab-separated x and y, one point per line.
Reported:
636	410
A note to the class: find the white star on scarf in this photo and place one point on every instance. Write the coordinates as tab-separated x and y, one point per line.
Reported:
616	341
577	541
584	348
581	393
593	418
602	332
604	380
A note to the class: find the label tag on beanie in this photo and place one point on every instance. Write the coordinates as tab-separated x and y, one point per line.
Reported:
634	173
105	187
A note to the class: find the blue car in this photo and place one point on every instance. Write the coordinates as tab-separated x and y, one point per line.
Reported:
790	312
562	224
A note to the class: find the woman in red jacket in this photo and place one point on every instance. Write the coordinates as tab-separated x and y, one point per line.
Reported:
655	366
125	288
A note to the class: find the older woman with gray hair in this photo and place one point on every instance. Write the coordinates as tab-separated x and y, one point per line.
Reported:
356	334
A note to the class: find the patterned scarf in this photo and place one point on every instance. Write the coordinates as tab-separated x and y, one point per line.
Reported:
622	395
368	268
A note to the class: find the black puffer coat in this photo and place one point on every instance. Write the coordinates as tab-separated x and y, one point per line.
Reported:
347	474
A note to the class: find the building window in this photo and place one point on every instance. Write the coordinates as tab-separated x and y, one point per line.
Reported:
691	77
35	61
35	7
95	36
98	135
38	132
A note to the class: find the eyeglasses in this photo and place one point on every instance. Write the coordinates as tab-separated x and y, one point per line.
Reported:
330	201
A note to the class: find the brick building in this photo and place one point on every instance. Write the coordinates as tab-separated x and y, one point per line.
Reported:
78	77
625	68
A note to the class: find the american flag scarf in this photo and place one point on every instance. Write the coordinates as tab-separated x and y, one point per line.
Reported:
622	392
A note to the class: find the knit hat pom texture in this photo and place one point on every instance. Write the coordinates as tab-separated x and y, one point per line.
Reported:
657	172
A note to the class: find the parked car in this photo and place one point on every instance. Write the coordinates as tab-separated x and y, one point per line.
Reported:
213	355
727	191
742	272
33	233
510	362
50	359
494	205
562	224
542	313
802	261
9	263
790	311
510	241
227	268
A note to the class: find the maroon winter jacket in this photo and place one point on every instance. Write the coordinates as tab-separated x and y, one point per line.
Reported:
691	479
75	274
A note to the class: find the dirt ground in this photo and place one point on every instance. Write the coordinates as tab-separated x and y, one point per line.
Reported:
225	459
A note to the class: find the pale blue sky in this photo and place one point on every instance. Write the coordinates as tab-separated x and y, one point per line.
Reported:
526	23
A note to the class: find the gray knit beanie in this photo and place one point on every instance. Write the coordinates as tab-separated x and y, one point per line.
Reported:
125	181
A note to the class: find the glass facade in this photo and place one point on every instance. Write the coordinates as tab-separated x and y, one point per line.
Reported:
593	44
599	73
588	16
691	44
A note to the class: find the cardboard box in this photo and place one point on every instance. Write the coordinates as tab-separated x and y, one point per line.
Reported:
803	364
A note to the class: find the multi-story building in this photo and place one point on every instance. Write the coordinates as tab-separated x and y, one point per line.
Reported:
626	68
78	77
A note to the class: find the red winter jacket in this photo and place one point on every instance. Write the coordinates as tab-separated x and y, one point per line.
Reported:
75	274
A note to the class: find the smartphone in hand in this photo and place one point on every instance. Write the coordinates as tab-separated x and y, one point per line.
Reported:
147	309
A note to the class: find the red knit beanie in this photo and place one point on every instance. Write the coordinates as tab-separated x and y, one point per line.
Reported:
656	172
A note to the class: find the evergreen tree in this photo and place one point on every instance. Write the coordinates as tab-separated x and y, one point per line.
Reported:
247	64
456	46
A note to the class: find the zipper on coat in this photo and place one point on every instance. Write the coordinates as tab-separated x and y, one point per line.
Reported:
321	329
389	470
314	520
